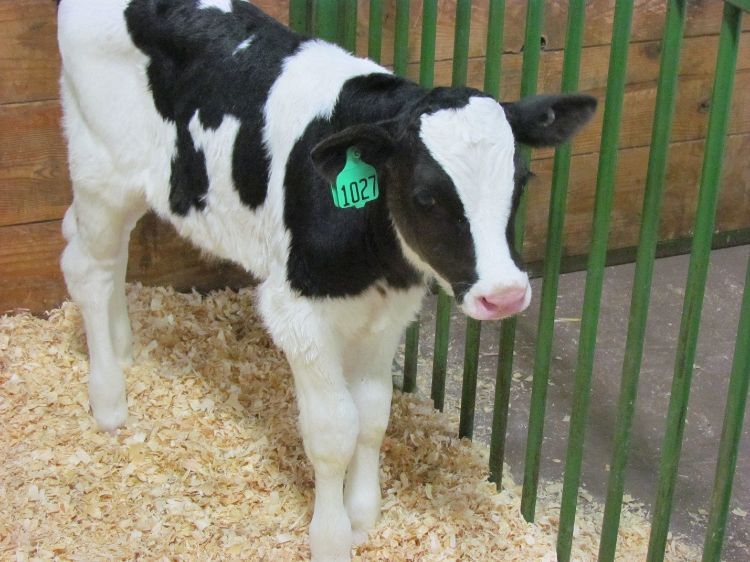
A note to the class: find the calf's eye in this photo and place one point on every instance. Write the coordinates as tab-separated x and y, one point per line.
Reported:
424	200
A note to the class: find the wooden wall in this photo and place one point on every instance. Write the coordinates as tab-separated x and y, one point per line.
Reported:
35	189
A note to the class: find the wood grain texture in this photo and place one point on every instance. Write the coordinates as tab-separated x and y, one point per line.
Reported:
693	100
680	196
34	179
29	59
35	189
29	62
703	18
698	59
29	254
30	276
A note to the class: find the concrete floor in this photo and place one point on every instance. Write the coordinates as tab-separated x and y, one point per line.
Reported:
705	415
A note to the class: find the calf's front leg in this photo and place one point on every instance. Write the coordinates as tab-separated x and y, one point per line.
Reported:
329	425
370	382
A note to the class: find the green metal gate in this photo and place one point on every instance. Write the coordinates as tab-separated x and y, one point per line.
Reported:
336	20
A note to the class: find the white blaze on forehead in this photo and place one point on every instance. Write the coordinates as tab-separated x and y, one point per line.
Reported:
474	145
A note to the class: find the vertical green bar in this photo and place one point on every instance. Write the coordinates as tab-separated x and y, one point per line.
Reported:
605	185
411	352
461	43
427	52
696	281
348	27
298	15
500	408
492	71
469	387
730	433
532	42
442	320
530	72
426	77
375	30
494	61
326	20
660	132
440	356
471	348
401	40
551	274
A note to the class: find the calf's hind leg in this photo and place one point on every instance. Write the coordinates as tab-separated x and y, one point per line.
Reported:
94	263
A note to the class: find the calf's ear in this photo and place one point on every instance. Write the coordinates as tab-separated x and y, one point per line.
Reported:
373	142
549	120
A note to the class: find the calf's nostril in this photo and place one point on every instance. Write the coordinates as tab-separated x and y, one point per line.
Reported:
489	305
503	299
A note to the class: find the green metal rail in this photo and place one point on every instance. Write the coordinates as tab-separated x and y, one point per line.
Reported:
605	186
550	277
734	415
337	21
696	282
655	176
375	30
492	75
531	56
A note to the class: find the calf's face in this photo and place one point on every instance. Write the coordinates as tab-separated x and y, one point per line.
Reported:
453	179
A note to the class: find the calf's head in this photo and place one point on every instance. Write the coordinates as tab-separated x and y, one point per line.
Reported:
452	178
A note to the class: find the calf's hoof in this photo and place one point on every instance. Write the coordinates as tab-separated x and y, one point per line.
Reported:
110	419
359	536
363	507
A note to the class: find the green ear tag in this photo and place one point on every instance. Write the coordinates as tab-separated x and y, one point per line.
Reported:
357	184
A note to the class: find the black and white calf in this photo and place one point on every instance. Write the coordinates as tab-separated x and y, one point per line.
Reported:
234	129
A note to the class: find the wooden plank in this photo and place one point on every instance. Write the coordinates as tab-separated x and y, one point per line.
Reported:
703	18
690	119
693	103
698	60
35	182
29	58
680	196
29	254
29	272
33	165
29	63
159	256
30	275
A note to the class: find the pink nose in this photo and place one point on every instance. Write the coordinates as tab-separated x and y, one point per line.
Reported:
501	304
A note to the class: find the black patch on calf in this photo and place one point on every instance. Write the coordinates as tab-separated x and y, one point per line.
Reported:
189	180
520	179
194	67
432	219
341	252
250	164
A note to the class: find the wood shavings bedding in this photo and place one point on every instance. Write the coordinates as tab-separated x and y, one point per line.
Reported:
211	466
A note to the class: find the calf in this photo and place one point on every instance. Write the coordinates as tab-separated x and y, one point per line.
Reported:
343	188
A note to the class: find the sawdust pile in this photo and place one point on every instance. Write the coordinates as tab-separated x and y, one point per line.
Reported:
211	466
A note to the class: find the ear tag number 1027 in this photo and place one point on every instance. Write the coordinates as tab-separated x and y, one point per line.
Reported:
357	184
